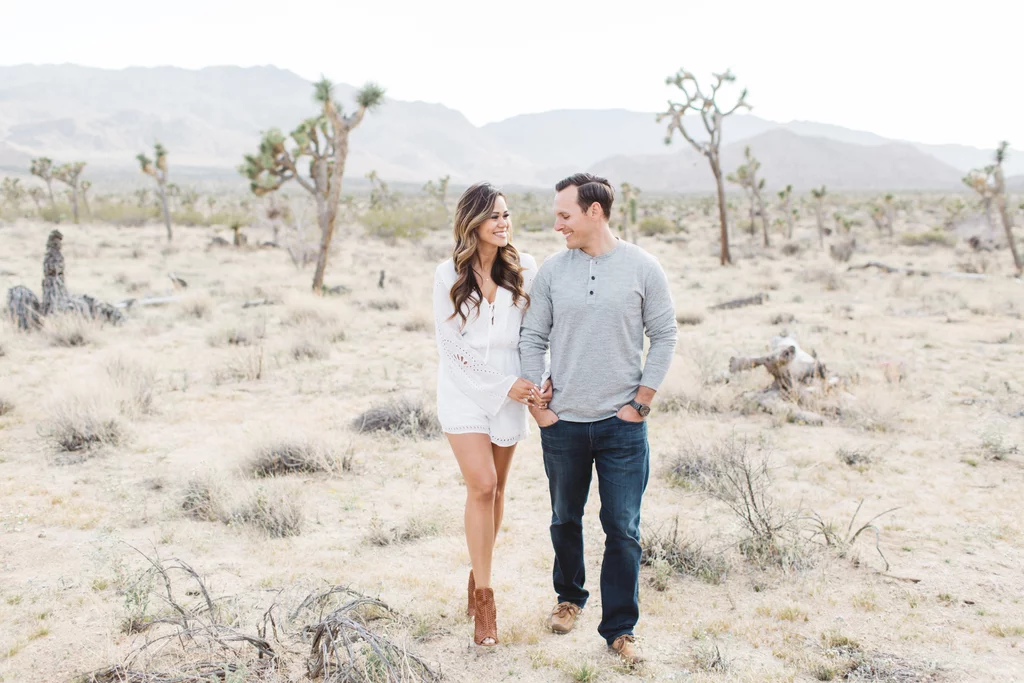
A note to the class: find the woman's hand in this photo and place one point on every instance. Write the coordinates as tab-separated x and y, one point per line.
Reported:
524	391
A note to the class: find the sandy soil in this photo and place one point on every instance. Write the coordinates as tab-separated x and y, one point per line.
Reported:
934	367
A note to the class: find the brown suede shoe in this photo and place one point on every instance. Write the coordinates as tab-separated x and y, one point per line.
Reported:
485	630
563	617
471	601
625	646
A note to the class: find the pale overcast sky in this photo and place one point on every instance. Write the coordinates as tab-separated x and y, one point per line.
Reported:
932	71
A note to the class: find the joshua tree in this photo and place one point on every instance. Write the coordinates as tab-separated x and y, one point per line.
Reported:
991	185
12	192
785	197
37	195
746	177
882	215
380	193
711	116
69	175
819	194
323	138
439	191
158	169
43	168
627	211
85	187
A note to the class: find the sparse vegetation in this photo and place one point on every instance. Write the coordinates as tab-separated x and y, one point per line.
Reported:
403	417
80	423
277	515
297	456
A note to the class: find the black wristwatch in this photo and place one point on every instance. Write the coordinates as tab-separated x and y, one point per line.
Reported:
641	408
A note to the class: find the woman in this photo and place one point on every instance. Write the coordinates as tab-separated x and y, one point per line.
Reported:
480	295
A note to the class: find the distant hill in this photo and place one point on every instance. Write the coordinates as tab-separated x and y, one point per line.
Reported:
209	118
788	158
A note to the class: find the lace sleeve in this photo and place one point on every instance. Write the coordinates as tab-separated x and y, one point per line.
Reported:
483	384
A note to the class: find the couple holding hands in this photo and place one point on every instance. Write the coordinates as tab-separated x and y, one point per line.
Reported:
497	315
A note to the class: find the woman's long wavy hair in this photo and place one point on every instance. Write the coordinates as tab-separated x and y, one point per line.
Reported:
474	208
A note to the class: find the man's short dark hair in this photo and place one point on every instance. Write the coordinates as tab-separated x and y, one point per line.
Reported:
591	188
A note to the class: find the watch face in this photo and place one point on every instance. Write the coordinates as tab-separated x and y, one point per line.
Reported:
644	411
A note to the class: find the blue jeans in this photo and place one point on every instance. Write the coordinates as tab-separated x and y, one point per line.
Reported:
620	451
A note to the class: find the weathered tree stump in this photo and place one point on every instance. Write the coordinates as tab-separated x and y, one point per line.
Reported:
790	367
23	307
27	311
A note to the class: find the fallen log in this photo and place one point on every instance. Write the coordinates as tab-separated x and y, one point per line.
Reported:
787	363
755	300
913	271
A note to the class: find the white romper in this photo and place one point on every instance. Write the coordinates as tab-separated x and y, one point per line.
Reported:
480	362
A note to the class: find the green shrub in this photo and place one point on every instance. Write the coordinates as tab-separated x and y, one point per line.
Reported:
125	215
923	239
402	223
656	225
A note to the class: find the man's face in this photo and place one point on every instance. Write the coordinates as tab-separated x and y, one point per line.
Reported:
576	226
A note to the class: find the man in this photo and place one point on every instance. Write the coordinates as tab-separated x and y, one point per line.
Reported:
592	304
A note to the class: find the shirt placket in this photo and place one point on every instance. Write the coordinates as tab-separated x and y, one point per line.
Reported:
592	282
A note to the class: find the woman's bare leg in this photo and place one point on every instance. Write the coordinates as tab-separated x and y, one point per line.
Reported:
476	460
502	465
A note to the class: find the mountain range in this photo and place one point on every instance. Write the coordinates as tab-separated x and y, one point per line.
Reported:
209	118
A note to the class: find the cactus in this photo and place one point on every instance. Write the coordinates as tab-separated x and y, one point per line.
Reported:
69	175
712	117
746	177
324	140
157	168
43	168
819	194
990	183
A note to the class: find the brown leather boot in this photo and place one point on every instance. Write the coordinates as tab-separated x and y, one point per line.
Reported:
486	622
471	601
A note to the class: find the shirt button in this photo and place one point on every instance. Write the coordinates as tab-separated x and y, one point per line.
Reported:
592	277
591	291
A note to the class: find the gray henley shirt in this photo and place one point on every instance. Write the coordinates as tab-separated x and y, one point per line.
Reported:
593	312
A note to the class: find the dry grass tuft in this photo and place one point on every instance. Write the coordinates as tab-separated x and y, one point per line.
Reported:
854	457
6	406
78	424
418	323
310	348
667	551
307	313
135	383
690	318
276	515
708	657
383	304
292	456
203	500
694	467
69	329
197	305
247	365
414	529
238	335
404	417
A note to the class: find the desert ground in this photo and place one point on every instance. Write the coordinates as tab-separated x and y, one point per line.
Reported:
173	410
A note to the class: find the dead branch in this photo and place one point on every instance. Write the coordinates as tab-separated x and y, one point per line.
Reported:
755	300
